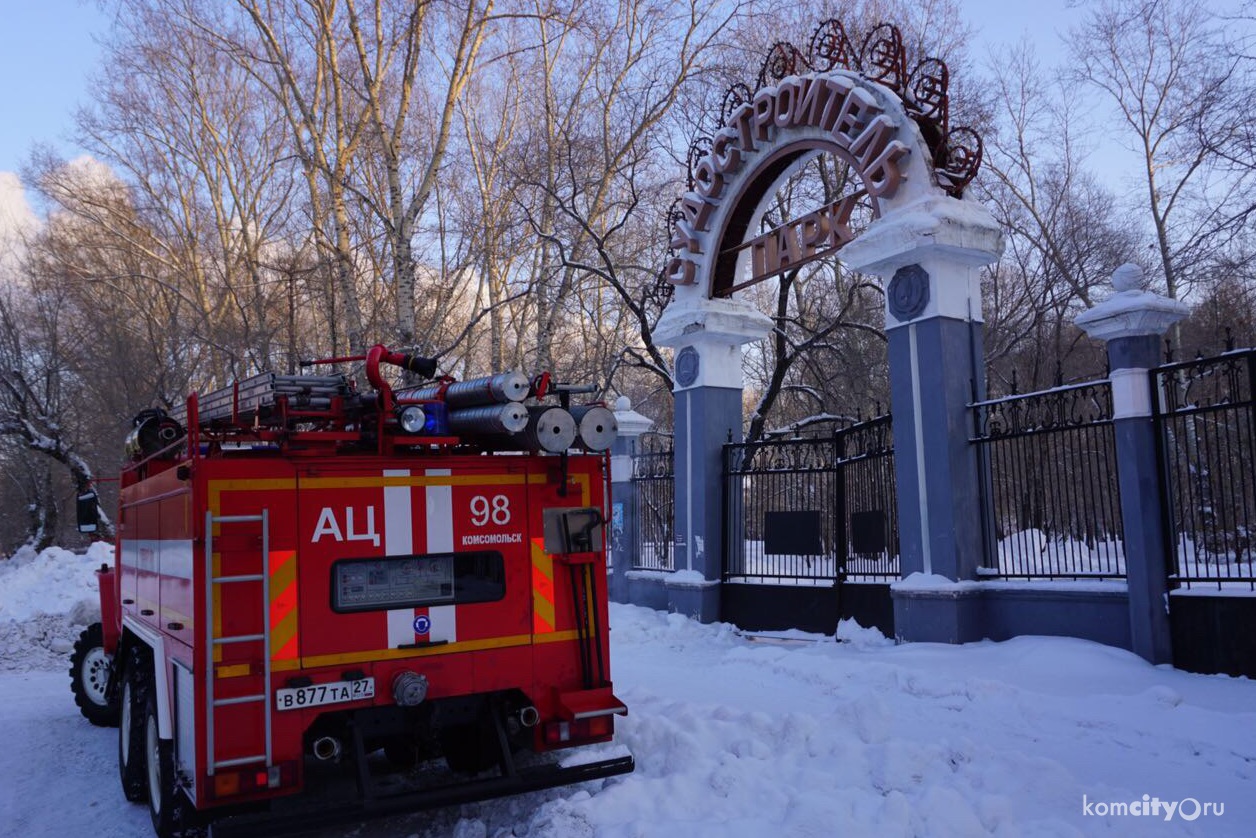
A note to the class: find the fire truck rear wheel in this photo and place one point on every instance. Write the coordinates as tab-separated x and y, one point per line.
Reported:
159	757
131	765
89	678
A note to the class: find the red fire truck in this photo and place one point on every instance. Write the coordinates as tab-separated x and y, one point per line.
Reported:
333	601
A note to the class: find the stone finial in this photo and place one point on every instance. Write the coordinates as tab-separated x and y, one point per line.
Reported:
631	423
1133	310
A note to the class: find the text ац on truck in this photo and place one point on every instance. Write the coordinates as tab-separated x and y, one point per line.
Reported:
331	602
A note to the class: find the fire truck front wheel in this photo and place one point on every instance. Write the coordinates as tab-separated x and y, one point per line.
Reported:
131	767
89	678
159	759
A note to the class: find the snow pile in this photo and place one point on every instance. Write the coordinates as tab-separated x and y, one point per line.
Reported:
742	738
51	582
791	734
46	599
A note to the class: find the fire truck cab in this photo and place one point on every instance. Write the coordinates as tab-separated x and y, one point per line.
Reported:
328	603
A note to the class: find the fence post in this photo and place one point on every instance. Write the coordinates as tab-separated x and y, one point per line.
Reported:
1132	321
624	495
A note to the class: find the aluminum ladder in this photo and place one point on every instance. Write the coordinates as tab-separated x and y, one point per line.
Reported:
212	642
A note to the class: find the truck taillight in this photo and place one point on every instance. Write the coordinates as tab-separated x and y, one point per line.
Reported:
578	731
248	780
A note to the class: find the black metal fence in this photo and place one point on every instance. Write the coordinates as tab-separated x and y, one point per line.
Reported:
812	510
655	483
1052	500
1207	422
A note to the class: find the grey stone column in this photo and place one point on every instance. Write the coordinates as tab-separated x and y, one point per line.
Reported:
708	337
930	255
1132	322
623	529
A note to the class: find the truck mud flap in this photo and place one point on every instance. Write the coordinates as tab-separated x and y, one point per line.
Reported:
452	794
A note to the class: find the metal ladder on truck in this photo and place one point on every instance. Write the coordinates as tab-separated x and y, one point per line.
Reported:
212	643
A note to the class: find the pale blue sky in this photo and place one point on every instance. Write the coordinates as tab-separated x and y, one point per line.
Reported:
47	54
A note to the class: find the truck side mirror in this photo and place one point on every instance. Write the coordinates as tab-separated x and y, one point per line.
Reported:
88	512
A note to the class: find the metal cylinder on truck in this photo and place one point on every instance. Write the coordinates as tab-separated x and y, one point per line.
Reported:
501	388
489	419
596	427
549	429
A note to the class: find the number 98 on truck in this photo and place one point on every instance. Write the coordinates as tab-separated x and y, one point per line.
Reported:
331	602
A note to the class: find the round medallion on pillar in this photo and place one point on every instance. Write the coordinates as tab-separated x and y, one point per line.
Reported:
908	292
687	364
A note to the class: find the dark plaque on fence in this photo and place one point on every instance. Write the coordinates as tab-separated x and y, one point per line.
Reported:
867	531
792	533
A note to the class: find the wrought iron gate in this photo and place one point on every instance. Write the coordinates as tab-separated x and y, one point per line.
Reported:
811	532
1206	415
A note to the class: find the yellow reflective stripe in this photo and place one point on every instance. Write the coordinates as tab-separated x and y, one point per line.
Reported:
377	481
543	620
314	661
215	488
216	593
237	670
557	637
283	604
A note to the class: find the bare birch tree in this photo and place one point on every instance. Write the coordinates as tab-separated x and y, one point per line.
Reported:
367	86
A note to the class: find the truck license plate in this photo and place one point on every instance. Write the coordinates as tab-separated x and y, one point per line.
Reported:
294	698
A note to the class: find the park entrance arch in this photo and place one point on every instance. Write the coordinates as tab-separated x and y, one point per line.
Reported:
890	126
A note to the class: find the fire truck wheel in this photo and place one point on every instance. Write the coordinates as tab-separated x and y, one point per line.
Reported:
89	678
131	768
159	756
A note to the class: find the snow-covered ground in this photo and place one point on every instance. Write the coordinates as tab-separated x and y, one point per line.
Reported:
734	736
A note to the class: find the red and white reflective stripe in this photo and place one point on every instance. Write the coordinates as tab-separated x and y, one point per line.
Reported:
398	541
440	539
403	623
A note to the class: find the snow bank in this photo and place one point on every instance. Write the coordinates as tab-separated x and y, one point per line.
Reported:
46	599
738	736
55	581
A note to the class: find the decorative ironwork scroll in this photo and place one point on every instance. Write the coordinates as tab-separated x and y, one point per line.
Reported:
882	58
783	60
1191	386
830	47
736	96
1064	407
